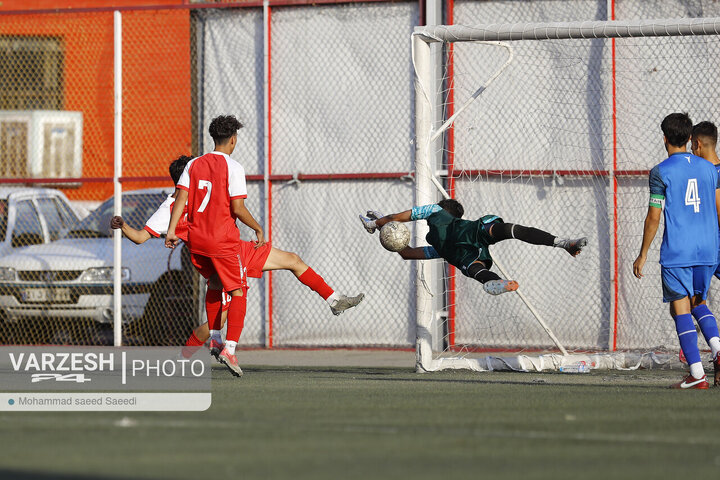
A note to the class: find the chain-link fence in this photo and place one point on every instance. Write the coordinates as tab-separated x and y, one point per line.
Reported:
326	96
327	134
56	128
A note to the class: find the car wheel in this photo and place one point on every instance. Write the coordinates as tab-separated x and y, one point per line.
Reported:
169	315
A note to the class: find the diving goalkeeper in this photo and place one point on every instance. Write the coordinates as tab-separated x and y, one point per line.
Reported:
464	243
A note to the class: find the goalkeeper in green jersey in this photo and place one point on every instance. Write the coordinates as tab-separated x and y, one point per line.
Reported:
464	243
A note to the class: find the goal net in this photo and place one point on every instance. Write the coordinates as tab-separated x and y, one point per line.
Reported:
553	126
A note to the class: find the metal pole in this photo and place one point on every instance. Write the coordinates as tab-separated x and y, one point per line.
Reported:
117	234
424	193
267	186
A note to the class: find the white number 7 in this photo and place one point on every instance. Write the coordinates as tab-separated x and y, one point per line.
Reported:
202	185
692	197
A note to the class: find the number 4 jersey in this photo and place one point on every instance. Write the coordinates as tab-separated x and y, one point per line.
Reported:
212	181
686	185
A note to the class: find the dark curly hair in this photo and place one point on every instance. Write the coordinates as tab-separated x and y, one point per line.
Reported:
177	166
222	128
453	207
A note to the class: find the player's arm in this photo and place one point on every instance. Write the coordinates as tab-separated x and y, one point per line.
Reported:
374	221
395	217
135	236
237	191
652	220
418	253
240	211
181	196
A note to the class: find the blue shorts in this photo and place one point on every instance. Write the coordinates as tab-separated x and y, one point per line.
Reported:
681	282
717	271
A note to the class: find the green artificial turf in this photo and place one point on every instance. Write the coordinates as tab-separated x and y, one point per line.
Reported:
368	423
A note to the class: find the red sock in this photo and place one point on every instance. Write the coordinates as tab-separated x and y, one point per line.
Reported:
213	308
193	341
192	345
236	317
316	282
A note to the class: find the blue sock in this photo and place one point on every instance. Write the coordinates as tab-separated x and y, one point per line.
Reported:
688	337
706	320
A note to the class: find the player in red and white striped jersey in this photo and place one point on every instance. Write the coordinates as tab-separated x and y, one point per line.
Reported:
215	190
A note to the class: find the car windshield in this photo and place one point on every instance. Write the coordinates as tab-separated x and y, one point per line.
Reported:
136	209
3	219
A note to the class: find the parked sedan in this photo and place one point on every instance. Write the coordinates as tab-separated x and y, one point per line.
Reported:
31	216
72	277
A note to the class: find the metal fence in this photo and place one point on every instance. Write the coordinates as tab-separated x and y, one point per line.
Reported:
326	96
324	93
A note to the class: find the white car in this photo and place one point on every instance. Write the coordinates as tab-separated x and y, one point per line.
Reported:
31	216
72	276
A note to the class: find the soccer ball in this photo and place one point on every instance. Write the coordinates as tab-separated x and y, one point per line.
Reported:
394	236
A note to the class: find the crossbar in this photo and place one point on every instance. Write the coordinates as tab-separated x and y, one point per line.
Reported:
570	30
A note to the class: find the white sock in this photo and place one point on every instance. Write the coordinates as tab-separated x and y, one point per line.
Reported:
696	370
557	241
216	335
332	298
230	347
714	345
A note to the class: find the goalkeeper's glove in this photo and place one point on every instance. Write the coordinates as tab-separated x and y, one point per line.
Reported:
374	215
368	223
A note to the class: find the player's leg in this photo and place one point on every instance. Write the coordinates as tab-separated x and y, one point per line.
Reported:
504	231
213	300
201	334
708	326
687	335
492	283
232	278
213	309
195	341
707	322
681	354
677	284
281	260
235	324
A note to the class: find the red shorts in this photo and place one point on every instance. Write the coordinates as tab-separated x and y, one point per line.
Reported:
229	269
226	298
254	258
234	270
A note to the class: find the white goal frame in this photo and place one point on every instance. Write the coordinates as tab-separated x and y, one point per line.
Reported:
429	128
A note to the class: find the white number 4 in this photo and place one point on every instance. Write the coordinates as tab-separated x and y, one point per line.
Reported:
691	195
204	184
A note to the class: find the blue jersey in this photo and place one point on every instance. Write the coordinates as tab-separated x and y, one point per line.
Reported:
686	185
717	167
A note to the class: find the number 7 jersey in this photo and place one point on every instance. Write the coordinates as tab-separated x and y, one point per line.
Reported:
212	181
686	185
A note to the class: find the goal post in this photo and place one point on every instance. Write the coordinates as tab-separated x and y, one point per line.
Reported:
553	125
